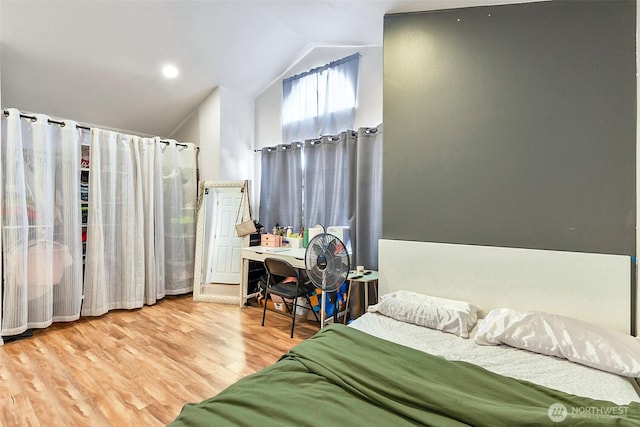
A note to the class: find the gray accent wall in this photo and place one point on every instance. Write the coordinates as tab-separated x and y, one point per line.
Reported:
512	126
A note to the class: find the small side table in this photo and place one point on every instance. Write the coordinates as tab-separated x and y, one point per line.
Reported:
356	278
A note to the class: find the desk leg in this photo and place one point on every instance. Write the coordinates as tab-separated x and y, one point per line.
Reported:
244	282
366	297
375	290
323	302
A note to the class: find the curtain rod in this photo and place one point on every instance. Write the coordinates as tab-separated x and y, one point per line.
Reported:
317	70
63	124
319	139
51	122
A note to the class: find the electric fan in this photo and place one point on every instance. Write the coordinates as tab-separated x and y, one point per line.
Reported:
327	262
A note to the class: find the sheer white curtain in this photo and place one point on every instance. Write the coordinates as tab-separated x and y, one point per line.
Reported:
41	233
114	263
140	224
150	154
67	295
320	101
179	186
3	137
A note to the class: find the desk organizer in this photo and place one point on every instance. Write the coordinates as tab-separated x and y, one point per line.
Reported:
271	240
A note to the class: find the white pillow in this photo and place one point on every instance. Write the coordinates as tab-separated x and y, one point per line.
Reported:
564	337
455	317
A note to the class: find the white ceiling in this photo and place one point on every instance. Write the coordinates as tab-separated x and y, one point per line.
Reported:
98	62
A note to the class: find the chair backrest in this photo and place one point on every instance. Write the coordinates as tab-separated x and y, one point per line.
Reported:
280	267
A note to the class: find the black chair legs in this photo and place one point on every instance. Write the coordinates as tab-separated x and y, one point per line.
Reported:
292	312
293	315
264	310
289	286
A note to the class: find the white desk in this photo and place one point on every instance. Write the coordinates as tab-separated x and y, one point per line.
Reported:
294	256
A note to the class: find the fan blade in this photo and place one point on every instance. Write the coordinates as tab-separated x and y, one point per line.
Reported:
327	262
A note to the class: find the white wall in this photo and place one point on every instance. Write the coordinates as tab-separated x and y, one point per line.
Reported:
189	130
223	127
209	131
237	133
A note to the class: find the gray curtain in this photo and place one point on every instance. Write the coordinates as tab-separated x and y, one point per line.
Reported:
365	196
326	178
281	186
321	101
342	186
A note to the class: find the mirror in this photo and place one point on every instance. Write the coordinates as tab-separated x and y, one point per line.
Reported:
221	205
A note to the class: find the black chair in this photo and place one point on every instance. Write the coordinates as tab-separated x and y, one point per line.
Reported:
277	271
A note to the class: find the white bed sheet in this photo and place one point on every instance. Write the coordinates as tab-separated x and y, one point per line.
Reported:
551	372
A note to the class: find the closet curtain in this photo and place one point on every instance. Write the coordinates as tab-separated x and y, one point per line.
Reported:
179	185
140	231
41	233
141	224
150	154
114	263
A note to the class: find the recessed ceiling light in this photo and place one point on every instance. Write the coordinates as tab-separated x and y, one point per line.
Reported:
170	71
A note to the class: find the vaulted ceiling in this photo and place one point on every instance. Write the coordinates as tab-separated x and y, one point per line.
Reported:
99	62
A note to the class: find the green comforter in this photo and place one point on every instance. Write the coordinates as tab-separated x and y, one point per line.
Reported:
344	377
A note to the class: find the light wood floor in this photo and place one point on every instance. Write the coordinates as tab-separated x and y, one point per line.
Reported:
138	367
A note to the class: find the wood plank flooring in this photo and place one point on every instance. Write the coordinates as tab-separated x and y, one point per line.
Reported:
137	367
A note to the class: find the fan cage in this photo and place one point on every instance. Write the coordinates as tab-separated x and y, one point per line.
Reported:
327	262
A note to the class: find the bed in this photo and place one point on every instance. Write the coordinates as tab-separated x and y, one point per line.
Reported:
388	369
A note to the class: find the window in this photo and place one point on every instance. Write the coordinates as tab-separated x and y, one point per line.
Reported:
320	101
324	173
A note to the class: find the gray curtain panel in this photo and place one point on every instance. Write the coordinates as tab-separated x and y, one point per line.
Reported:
326	179
321	101
365	196
281	186
341	185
